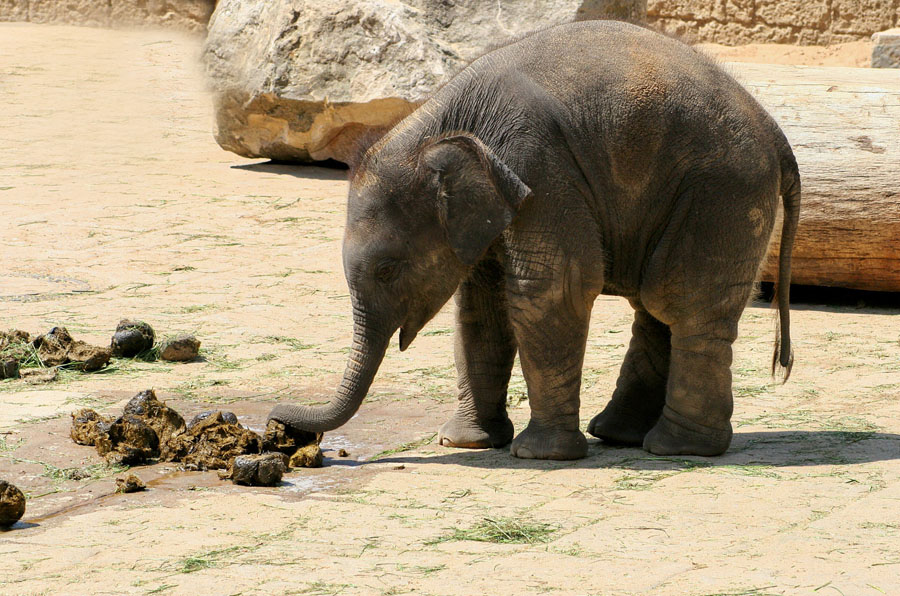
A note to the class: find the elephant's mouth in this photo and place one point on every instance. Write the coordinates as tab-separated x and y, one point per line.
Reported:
406	336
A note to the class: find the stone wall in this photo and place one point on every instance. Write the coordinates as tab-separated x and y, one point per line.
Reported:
805	22
190	15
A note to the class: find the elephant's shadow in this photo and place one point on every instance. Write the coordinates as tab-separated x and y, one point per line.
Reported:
783	448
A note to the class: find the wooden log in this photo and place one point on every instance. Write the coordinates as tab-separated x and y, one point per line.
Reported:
844	126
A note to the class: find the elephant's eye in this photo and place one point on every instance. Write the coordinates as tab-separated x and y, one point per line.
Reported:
387	271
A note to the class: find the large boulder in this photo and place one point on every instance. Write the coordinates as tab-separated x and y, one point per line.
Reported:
302	80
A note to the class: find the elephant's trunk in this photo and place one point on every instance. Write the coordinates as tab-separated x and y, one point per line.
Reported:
365	357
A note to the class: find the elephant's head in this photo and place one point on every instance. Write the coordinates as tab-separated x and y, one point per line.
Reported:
416	222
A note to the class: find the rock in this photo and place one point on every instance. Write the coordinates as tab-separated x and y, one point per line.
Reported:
302	447
130	484
886	51
166	422
12	504
9	368
189	15
58	347
227	417
132	338
343	453
181	348
266	469
306	80
212	443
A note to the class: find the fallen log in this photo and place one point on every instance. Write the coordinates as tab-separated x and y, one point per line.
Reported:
844	126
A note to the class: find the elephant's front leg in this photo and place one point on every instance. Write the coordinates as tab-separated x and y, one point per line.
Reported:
551	331
485	351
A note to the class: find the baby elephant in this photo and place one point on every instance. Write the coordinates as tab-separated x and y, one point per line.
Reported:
589	158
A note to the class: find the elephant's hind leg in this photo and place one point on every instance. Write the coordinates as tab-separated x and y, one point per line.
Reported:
485	350
640	391
699	403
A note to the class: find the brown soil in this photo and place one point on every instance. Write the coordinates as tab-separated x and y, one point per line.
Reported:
247	255
854	53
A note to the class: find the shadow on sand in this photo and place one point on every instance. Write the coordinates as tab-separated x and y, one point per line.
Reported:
321	170
762	449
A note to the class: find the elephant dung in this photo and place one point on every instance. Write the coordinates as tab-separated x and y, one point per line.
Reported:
166	422
144	431
92	429
130	484
181	348
265	469
9	368
228	417
302	447
58	347
12	504
212	443
133	441
132	338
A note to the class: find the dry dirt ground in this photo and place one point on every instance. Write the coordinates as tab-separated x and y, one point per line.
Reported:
115	202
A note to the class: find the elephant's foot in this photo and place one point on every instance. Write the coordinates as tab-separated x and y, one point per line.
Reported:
463	431
676	435
618	425
549	443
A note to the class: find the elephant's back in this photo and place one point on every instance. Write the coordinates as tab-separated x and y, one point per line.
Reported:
633	100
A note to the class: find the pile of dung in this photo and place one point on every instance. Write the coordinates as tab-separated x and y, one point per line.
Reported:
148	430
212	443
57	347
12	504
15	351
265	469
132	338
143	432
125	440
302	447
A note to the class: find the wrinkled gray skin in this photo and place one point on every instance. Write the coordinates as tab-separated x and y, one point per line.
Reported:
589	158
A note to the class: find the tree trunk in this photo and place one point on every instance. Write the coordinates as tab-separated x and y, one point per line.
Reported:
844	127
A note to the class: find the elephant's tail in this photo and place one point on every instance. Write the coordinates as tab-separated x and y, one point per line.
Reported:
790	196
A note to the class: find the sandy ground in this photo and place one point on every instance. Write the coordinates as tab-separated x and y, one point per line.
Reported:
854	53
115	202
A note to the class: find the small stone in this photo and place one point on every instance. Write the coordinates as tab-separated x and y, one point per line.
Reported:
9	368
12	504
132	338
227	417
266	469
343	453
130	484
181	348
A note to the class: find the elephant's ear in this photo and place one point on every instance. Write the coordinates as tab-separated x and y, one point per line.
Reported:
480	194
